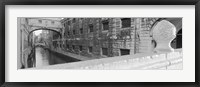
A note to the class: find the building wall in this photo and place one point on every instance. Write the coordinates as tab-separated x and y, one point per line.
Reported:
23	45
135	37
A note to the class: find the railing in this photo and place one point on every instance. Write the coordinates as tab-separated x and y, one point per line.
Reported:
170	60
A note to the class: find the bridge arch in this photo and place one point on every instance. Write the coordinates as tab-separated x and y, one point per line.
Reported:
43	29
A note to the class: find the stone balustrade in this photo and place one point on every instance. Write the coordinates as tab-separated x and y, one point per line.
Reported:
170	60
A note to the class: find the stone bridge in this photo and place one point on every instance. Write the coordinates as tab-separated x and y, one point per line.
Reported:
169	60
43	24
34	28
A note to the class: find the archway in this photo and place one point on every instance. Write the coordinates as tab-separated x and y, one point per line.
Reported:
42	29
32	56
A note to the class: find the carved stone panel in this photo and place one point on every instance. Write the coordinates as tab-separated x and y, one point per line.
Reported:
163	33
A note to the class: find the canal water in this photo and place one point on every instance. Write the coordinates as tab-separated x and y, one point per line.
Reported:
46	57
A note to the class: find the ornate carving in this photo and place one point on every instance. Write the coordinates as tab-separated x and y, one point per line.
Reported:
163	33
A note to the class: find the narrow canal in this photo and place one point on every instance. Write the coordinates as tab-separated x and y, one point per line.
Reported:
46	57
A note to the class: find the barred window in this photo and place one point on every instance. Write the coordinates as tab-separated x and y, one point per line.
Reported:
74	32
143	19
105	25
74	20
105	51
125	51
91	28
126	22
81	30
90	49
80	48
68	33
68	22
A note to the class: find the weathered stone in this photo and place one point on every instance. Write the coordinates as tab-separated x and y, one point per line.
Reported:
178	66
162	55
163	33
155	56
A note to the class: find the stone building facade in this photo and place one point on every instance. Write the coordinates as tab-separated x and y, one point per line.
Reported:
108	37
23	44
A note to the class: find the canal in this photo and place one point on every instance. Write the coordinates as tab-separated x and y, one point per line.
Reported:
44	57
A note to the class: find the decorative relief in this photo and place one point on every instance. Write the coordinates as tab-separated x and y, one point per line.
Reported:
163	33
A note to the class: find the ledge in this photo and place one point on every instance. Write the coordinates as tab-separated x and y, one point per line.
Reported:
136	61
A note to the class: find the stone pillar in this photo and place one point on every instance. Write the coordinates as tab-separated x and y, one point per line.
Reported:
163	33
113	37
133	36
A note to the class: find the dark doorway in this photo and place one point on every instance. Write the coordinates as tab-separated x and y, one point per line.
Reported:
125	51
